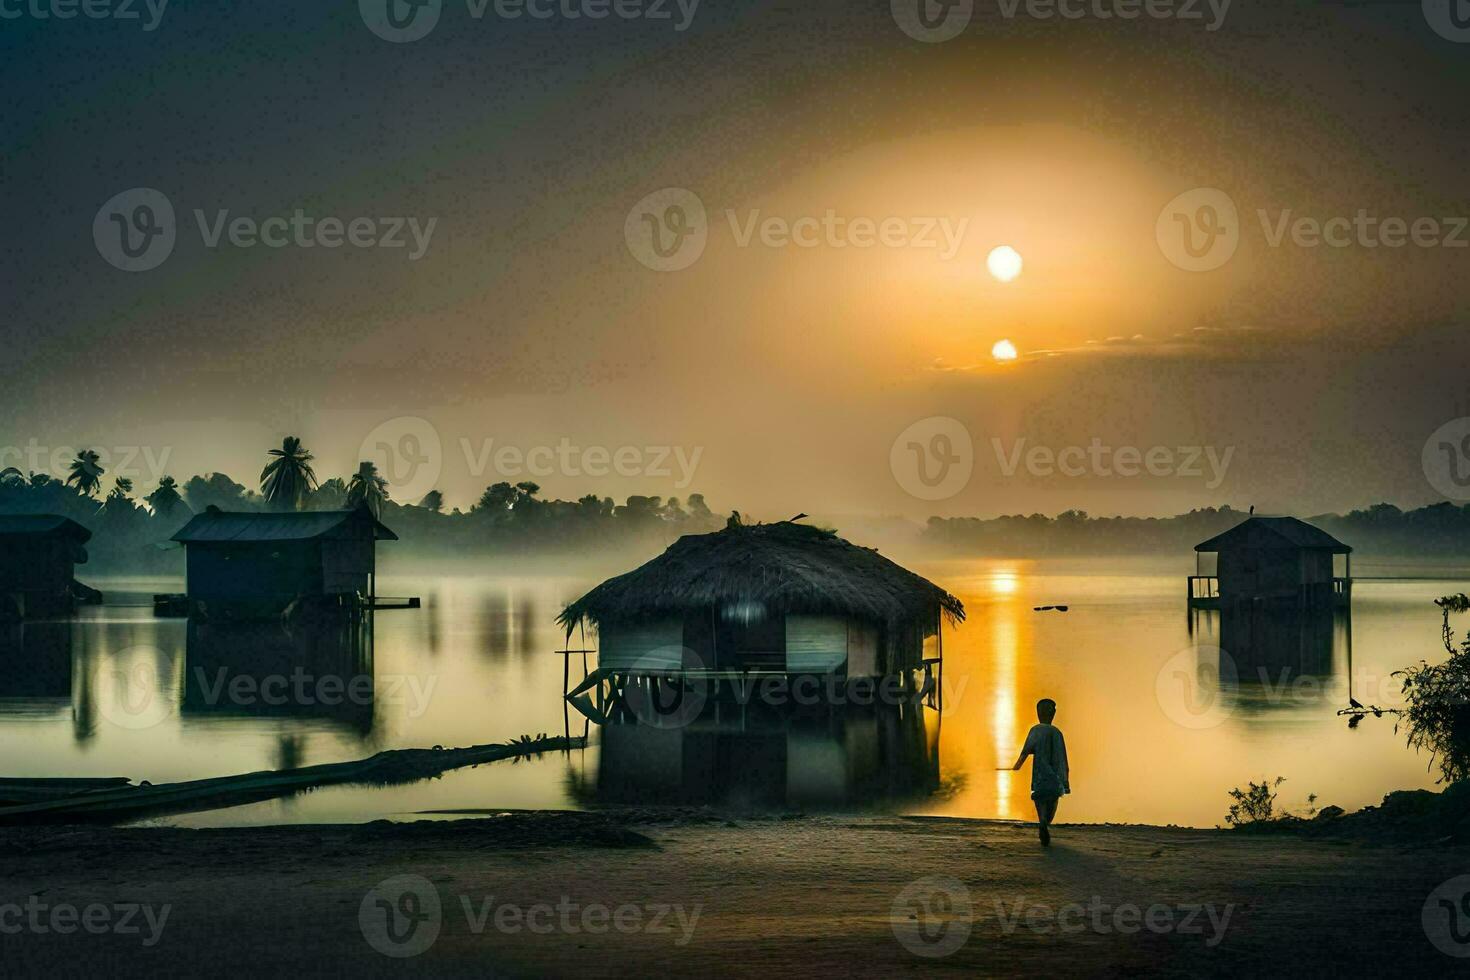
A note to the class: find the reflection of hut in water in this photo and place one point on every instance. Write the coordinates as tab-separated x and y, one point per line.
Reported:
1271	643
251	670
1273	559
38	557
838	760
774	599
35	667
249	565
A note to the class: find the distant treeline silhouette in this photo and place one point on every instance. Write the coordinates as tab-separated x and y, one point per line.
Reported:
1438	529
131	527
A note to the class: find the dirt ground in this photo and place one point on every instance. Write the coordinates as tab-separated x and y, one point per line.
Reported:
650	894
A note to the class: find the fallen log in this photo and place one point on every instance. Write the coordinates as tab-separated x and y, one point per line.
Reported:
384	769
26	790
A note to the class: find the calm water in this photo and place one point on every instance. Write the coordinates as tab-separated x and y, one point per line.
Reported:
1152	736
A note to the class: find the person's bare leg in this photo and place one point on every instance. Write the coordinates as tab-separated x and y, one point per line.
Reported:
1044	809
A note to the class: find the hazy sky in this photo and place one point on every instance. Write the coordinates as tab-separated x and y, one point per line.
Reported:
768	375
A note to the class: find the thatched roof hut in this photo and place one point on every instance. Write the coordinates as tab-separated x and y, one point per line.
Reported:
775	596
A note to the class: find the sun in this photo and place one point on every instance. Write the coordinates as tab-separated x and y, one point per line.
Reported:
1004	263
1004	350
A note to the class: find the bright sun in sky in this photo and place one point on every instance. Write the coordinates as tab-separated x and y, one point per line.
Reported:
1004	263
1004	350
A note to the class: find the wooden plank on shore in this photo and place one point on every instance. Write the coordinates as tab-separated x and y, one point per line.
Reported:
384	769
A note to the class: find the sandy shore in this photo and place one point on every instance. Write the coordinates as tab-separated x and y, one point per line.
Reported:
645	894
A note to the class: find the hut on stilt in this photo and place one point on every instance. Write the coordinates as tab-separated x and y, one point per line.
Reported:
38	558
1272	559
765	599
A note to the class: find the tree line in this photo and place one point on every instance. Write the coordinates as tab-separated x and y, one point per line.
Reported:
1439	529
130	526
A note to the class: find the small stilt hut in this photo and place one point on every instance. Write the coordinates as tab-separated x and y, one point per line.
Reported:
1272	558
781	598
38	558
247	565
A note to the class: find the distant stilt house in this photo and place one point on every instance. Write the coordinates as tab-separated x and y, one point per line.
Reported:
766	599
1272	558
38	558
248	565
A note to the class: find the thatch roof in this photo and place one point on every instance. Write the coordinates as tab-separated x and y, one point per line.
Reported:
785	568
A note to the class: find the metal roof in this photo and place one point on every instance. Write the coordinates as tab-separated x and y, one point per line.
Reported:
40	525
1275	532
236	526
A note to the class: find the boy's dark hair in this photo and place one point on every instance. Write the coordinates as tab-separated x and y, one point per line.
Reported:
1046	706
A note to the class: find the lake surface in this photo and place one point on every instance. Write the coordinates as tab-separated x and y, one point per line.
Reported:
1153	735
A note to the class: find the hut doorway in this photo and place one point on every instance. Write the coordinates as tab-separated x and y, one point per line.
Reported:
725	642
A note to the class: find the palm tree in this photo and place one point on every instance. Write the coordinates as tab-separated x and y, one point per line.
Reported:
367	487
287	479
165	498
330	495
86	472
